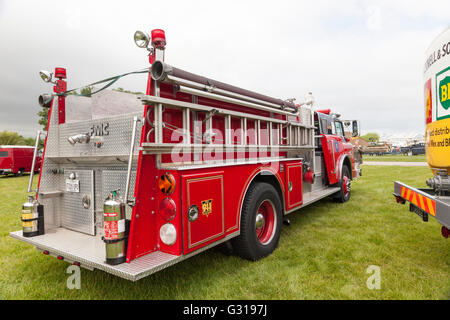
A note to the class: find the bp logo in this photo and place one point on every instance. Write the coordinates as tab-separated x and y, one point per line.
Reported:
443	94
444	88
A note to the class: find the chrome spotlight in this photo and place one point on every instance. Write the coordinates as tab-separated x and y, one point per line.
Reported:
46	76
141	39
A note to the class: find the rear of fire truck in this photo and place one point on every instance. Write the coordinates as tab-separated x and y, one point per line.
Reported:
133	184
435	200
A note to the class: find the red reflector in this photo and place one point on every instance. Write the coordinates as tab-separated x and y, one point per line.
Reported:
45	252
400	199
445	232
167	209
76	263
60	257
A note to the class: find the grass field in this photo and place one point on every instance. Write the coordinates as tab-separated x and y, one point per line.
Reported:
419	158
324	254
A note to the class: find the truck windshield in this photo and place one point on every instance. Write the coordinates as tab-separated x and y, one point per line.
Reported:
339	128
3	154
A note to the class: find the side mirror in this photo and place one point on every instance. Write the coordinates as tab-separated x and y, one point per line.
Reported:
356	129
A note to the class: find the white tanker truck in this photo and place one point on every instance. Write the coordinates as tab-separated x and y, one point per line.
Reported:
435	200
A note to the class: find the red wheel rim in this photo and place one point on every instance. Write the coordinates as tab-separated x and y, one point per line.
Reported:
265	222
346	185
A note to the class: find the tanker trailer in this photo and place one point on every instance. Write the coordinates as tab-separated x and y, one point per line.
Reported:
435	200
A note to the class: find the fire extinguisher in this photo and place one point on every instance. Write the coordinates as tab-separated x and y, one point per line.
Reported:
114	229
32	218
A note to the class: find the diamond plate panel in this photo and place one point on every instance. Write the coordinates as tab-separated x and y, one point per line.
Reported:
306	116
73	215
90	251
115	143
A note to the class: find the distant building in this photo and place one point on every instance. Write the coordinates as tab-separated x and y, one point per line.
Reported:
403	139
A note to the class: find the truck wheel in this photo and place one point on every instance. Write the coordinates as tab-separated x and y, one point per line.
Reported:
261	220
346	186
226	248
19	173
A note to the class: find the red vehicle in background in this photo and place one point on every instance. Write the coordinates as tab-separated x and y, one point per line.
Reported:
17	160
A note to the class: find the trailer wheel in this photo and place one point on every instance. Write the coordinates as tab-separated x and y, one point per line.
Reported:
261	220
346	186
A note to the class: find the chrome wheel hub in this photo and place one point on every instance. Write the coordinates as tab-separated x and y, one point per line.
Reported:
259	221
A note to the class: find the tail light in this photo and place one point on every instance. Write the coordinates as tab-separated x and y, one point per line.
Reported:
168	234
167	183
167	209
445	232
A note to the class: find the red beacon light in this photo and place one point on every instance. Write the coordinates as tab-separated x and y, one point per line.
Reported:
60	73
325	111
158	37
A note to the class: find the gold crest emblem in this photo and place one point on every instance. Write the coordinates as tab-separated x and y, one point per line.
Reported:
206	207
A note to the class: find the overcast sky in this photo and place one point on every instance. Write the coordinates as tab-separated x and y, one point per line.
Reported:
364	59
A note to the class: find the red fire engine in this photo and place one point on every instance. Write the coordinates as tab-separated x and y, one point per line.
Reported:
133	184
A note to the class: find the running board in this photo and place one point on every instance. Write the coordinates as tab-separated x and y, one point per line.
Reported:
315	196
89	251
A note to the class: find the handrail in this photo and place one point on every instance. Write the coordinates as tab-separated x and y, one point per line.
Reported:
36	145
147	99
131	202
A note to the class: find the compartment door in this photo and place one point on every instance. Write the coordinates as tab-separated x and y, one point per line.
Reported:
294	185
204	192
77	202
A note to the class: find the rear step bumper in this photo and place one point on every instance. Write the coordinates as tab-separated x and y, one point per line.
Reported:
424	202
89	251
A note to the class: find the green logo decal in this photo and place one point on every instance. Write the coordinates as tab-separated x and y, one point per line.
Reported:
444	92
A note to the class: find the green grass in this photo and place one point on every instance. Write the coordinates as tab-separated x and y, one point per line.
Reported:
395	158
324	254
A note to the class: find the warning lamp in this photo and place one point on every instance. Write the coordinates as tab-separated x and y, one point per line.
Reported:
141	39
46	252
60	257
168	234
167	209
158	38
60	73
166	183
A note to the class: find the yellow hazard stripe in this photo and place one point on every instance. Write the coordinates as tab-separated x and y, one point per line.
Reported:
423	202
432	207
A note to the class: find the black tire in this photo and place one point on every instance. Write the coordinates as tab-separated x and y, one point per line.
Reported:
248	244
344	194
19	173
226	248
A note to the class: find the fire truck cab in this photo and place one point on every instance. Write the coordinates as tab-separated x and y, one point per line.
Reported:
131	184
